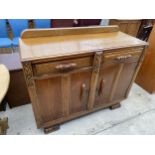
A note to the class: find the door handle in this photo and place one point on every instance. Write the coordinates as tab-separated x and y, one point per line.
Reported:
100	91
83	90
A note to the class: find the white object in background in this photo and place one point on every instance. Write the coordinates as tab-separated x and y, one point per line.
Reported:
104	22
4	81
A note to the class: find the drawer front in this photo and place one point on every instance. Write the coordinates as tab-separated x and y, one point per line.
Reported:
62	66
121	56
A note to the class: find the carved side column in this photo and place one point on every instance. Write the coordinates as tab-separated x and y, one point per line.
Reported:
28	72
94	79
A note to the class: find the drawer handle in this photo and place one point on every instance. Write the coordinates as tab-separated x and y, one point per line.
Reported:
66	66
124	57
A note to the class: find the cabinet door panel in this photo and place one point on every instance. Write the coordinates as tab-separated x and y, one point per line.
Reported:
114	81
124	80
80	83
105	83
50	98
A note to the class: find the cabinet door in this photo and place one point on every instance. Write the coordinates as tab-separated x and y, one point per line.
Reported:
124	80
115	77
62	87
107	75
80	85
49	94
63	95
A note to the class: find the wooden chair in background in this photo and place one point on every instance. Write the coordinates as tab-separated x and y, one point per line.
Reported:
5	42
17	26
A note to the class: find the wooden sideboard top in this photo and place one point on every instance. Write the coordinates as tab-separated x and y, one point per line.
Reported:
38	44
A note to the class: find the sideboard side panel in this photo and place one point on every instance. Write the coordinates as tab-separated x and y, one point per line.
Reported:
28	72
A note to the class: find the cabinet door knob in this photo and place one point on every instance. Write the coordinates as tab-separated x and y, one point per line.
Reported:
83	90
66	66
123	57
100	91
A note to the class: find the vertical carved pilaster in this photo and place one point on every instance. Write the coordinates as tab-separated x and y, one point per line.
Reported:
28	72
94	79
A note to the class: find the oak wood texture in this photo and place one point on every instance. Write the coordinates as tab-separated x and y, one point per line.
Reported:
146	74
62	66
130	27
70	75
72	41
94	79
66	31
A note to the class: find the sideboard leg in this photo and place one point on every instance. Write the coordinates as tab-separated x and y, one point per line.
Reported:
51	129
117	105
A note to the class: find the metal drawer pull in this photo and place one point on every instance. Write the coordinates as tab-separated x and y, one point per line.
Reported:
124	57
66	66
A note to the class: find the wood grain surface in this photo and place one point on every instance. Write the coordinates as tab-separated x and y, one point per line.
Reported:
74	71
41	47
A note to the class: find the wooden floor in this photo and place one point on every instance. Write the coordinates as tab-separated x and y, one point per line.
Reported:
135	116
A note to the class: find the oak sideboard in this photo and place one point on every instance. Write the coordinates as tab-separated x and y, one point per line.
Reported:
71	72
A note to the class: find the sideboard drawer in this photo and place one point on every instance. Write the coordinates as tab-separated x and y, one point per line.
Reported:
125	55
62	66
